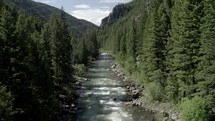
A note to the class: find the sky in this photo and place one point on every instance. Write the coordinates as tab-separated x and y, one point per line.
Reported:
90	10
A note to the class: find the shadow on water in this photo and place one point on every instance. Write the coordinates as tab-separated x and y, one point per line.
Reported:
102	96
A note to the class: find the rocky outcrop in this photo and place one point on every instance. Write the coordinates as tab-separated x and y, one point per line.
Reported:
118	11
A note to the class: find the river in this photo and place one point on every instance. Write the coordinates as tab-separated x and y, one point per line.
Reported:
102	97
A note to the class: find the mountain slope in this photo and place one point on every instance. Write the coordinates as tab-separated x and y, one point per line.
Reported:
117	12
125	11
43	11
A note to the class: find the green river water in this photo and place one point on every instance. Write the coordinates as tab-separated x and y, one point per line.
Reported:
102	97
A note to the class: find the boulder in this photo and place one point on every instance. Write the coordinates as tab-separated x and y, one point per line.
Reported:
174	116
135	95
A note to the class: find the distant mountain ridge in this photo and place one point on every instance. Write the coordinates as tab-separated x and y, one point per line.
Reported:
77	26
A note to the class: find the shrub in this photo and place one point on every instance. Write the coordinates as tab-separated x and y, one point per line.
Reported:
130	65
195	109
80	69
155	91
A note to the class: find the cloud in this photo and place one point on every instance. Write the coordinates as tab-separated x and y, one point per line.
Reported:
82	6
104	7
114	1
46	1
94	15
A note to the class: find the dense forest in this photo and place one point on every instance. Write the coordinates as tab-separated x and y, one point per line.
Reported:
38	64
169	46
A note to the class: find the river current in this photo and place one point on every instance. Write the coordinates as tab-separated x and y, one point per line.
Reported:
103	96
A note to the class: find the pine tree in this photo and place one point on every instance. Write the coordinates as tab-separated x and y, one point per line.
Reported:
14	60
46	42
122	48
6	104
139	34
185	45
162	38
24	86
7	28
42	84
116	43
130	63
206	67
131	41
66	49
1	4
172	83
61	50
82	53
92	44
149	47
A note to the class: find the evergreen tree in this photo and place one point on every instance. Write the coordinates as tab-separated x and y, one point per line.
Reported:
206	67
42	83
1	4
61	50
149	47
92	44
7	28
122	48
28	62
116	43
46	43
172	83
131	47
6	105
24	87
66	49
82	52
185	42
162	38
139	33
14	57
131	41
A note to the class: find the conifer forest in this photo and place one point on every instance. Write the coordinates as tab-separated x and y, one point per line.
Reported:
168	46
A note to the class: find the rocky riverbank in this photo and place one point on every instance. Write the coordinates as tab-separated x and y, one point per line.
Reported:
68	103
138	97
69	100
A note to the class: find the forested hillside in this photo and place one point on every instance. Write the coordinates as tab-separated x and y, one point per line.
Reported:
38	62
43	11
169	45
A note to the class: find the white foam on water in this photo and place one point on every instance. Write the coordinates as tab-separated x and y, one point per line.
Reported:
88	93
113	103
115	108
110	104
102	101
97	70
102	93
119	115
82	87
112	90
108	91
103	54
103	88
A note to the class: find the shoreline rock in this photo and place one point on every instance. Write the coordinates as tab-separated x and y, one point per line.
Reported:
137	94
